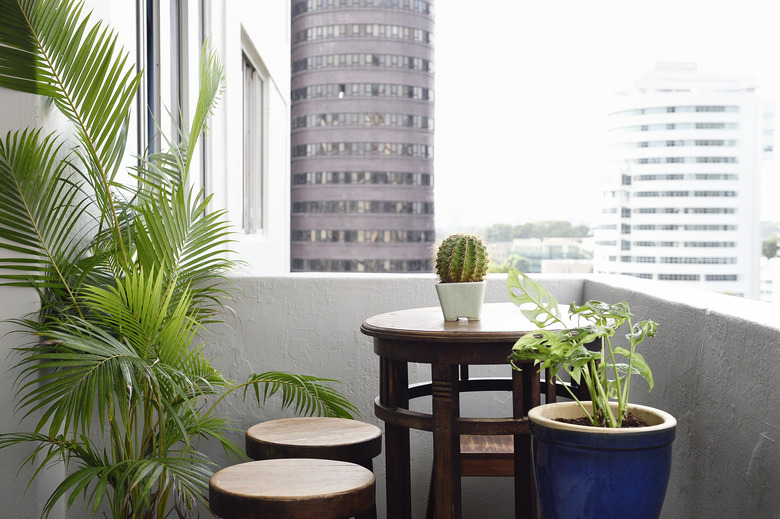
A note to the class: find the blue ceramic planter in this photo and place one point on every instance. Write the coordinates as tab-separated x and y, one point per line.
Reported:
587	472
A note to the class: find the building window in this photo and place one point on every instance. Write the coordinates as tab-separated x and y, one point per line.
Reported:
682	160
341	90
645	259
718	244
640	276
368	265
363	30
332	120
415	6
363	177
700	261
398	149
363	236
688	176
686	210
678	277
721	277
362	206
253	145
655	244
395	61
677	109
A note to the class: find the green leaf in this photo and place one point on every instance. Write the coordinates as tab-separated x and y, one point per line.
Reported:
638	365
641	331
534	301
601	313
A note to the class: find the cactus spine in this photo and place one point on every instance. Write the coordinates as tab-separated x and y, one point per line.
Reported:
461	259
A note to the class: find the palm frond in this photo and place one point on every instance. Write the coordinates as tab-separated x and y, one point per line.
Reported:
191	244
211	84
164	171
54	50
306	394
41	212
82	372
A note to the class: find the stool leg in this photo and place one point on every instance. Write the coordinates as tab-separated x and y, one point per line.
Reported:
371	514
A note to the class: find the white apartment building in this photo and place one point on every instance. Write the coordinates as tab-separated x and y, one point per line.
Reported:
682	202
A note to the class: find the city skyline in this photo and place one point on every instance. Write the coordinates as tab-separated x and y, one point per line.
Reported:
523	90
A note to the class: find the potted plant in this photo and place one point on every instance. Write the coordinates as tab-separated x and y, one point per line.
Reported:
129	270
604	457
461	264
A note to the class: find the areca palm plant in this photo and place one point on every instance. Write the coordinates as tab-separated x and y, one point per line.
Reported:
129	268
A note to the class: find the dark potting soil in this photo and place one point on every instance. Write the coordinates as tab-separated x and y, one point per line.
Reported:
629	421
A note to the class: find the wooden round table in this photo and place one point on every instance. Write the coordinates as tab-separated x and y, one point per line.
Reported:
423	336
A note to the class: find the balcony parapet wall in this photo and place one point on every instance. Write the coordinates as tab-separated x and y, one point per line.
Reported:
715	363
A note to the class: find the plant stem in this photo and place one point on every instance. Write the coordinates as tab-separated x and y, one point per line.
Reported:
574	397
623	404
620	399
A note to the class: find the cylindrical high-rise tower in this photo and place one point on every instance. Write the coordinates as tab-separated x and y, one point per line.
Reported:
362	135
684	204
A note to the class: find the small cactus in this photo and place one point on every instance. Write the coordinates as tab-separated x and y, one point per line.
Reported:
461	259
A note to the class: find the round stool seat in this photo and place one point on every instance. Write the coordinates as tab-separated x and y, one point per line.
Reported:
292	488
314	437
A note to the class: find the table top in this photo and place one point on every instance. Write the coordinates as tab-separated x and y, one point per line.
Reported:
501	322
422	335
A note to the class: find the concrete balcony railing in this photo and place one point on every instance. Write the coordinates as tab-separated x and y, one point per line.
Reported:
715	361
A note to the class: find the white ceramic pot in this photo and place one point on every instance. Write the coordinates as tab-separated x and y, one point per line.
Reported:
461	300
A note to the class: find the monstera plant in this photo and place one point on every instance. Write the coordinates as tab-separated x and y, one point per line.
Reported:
130	270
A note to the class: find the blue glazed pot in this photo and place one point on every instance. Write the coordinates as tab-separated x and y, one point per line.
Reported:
593	472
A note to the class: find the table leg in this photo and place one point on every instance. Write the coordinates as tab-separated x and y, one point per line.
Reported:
394	392
446	440
525	394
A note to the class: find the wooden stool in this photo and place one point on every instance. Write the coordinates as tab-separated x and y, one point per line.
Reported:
298	488
311	437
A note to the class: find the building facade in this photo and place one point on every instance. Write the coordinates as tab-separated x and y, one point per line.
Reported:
362	135
682	202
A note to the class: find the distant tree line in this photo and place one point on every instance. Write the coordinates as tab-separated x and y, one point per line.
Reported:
544	229
513	261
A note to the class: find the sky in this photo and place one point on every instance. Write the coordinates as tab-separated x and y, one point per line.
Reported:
522	92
